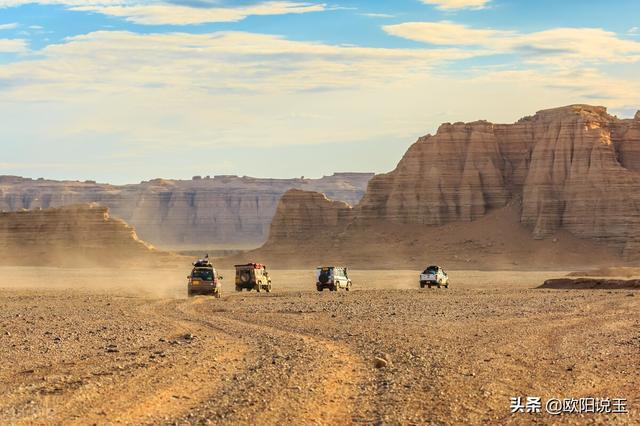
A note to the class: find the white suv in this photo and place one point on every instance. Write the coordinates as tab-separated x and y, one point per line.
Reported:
332	277
434	276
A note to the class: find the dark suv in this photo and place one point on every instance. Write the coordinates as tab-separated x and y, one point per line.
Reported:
204	279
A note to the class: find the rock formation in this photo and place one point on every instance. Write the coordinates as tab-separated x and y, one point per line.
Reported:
573	169
71	236
303	213
223	210
591	283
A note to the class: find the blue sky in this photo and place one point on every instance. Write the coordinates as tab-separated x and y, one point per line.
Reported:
126	90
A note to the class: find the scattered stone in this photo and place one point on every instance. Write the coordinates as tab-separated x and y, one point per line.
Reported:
379	362
112	349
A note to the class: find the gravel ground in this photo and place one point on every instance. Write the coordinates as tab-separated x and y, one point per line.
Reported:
373	355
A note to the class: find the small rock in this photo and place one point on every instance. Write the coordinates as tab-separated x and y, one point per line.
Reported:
380	362
111	349
628	295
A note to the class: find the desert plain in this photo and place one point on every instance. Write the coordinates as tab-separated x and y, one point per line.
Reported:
83	346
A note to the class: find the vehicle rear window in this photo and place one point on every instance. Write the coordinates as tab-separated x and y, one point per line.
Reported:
203	274
431	270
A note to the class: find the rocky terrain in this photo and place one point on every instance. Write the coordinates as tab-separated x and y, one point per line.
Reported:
562	176
219	212
385	356
591	283
81	235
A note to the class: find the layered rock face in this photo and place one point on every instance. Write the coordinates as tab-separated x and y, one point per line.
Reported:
574	168
224	210
303	214
69	236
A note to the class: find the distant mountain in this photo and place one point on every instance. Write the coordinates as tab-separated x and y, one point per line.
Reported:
560	187
81	235
217	211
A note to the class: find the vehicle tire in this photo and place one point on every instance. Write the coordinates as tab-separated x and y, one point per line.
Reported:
335	287
421	285
238	288
429	285
258	287
438	285
189	294
446	285
218	295
320	288
348	286
269	288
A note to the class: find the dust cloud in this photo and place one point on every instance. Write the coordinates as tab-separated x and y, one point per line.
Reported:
171	282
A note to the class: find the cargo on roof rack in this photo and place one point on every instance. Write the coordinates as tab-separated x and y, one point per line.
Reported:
251	265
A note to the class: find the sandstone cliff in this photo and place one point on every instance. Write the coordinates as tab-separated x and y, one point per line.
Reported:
302	213
79	235
223	210
572	171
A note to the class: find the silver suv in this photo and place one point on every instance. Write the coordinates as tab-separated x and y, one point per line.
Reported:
434	276
332	277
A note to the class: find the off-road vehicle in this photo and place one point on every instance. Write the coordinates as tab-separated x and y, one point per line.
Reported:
434	276
204	279
332	277
252	276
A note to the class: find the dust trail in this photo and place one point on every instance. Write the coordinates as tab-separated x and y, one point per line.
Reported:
172	283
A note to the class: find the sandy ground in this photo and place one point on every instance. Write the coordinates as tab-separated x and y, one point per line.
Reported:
100	346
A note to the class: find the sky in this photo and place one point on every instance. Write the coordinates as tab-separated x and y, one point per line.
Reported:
122	91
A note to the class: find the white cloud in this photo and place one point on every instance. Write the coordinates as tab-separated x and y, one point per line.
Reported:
593	45
9	26
163	13
457	4
220	89
172	14
13	46
15	3
227	61
145	97
446	33
378	15
587	84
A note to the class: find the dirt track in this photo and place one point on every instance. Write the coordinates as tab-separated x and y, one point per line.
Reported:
456	356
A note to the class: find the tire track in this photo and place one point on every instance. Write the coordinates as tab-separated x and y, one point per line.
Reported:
144	392
309	379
